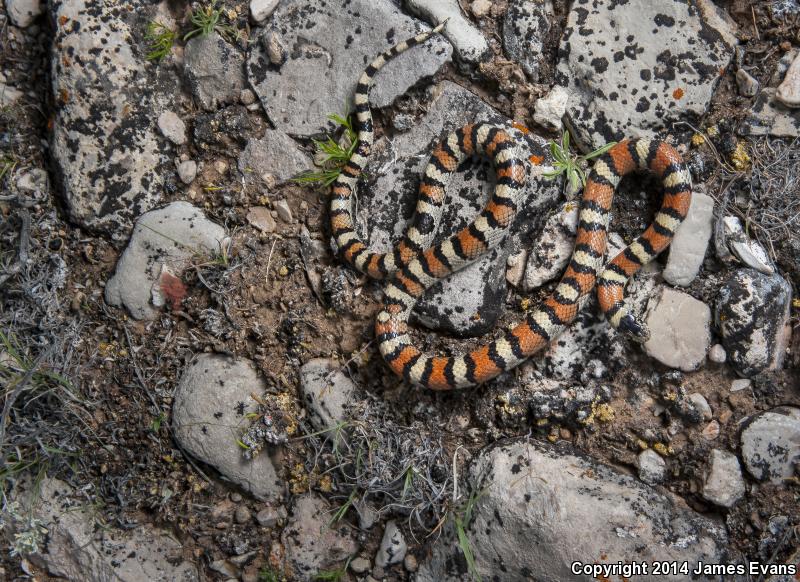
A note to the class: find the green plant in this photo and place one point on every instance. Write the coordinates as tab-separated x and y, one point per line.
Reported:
206	19
160	39
571	164
267	574
333	575
462	518
340	513
7	165
335	156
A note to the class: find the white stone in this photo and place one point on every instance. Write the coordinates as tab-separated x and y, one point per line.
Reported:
284	212
187	171
9	96
717	354
680	332
172	127
553	248
549	109
261	9
326	391
740	384
688	248
652	467
748	85
24	12
771	445
481	8
723	484
393	546
261	218
788	91
468	41
701	404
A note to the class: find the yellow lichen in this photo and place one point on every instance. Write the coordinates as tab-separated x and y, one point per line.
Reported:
604	412
698	139
663	450
641	444
740	158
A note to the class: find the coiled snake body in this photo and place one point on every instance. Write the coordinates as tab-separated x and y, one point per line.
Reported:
414	265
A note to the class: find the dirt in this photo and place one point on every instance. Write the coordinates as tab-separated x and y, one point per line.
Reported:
267	306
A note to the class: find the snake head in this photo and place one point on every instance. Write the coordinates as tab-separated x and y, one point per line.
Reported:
635	330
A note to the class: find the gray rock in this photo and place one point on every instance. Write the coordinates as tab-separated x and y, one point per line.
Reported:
741	384
680	332
688	248
261	9
623	63
723	484
480	8
788	92
550	109
105	145
242	515
187	171
537	503
271	516
24	12
76	550
701	405
261	218
276	50
173	127
717	354
275	153
469	43
168	236
360	565
9	96
326	391
747	250
212	401
771	445
283	210
652	467
752	314
525	27
748	85
330	43
769	116
393	546
469	302
552	250
33	181
311	543
214	70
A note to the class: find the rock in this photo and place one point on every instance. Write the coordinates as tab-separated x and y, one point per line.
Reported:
33	181
261	9
652	467
549	109
688	248
76	550
360	565
187	171
717	354
771	445
741	384
723	483
393	546
212	401
469	302
242	515
276	50
680	331
537	503
271	516
623	63
746	249
769	116
752	315
468	42
24	12
334	41
107	154
172	235
9	96
213	69
311	542
516	263
173	127
326	391
275	153
525	27
748	85
553	248
284	212
410	563
701	405
480	8
788	92
261	218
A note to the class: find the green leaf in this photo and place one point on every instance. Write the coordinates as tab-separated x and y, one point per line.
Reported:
599	151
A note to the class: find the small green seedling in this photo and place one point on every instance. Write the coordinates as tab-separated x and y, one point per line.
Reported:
206	19
335	156
333	575
570	164
462	519
160	39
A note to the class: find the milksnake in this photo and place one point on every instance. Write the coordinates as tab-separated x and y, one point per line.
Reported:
414	265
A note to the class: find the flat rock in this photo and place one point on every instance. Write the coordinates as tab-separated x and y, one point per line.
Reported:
525	27
209	415
652	467
9	96
105	144
550	109
329	44
552	250
393	546
24	12
76	549
214	70
276	153
723	484
771	445
469	302
680	330
326	391
635	67
470	45
788	92
769	116
173	127
537	503
170	236
311	543
261	9
688	248
752	314
187	171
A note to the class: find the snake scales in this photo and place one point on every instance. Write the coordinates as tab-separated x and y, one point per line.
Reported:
414	265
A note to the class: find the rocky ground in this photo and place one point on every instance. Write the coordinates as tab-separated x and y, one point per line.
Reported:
191	388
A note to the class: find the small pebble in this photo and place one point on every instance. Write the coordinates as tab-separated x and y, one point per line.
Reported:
788	92
276	51
236	497
242	514
410	563
724	484
187	171
270	516
172	127
717	354
284	212
748	85
261	9
740	384
701	404
221	166
652	467
481	8
360	565
261	218
247	97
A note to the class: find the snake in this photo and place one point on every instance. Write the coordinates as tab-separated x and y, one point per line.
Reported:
414	264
